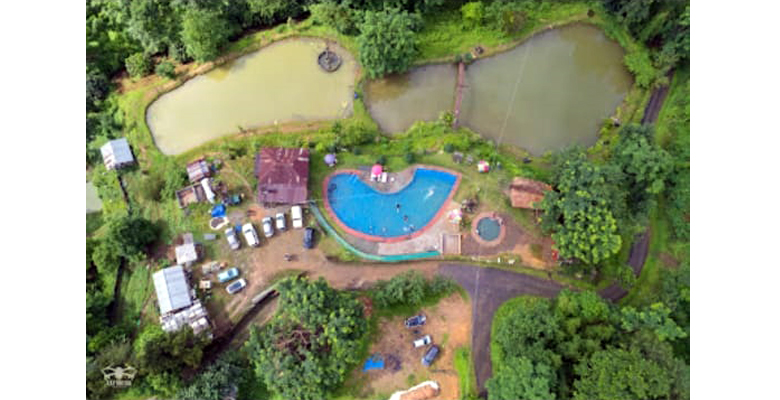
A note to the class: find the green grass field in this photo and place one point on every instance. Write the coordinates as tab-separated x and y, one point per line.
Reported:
467	379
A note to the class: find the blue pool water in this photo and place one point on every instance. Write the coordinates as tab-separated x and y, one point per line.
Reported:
389	215
488	229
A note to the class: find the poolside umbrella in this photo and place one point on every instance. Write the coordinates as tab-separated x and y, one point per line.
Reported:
455	215
376	170
483	166
330	159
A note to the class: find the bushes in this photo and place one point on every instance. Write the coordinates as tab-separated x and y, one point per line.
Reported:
410	289
138	65
473	14
165	69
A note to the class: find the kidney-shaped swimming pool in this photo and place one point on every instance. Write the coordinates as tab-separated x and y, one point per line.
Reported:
383	216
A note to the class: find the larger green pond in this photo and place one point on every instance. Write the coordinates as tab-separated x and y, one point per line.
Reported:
279	83
551	91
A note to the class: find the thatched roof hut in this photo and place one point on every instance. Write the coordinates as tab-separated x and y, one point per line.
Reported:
527	193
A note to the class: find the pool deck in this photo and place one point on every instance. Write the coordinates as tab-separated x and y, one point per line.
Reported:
397	181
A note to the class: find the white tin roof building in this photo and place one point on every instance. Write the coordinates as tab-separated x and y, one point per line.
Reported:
173	291
117	154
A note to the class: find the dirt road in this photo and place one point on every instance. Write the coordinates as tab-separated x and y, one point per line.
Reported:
488	289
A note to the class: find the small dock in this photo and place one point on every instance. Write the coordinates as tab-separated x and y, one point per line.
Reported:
459	94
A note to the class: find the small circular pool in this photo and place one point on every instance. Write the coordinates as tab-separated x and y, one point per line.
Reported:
488	229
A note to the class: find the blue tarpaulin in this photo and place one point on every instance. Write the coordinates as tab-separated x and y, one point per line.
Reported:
218	210
375	362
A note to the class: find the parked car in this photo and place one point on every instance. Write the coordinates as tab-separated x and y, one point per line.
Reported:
297	217
227	275
281	224
232	240
250	234
417	320
423	341
430	355
236	286
268	227
308	238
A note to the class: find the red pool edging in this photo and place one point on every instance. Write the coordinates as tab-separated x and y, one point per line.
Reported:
394	239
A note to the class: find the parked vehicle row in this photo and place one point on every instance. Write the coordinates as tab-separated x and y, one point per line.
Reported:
433	351
269	225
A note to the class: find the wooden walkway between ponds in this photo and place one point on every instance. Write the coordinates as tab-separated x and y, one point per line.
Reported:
459	94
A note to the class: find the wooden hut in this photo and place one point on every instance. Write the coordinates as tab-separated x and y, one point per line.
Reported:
527	193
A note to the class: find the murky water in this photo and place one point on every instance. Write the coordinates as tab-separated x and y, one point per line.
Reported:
279	83
398	101
93	201
549	92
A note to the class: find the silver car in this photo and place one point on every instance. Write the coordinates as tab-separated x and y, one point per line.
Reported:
281	223
236	286
268	227
232	240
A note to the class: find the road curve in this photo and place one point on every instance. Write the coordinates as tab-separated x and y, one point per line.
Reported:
488	289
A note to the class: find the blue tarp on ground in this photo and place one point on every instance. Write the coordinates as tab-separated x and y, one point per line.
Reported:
374	362
218	210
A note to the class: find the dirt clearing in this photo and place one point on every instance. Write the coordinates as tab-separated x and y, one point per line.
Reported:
448	323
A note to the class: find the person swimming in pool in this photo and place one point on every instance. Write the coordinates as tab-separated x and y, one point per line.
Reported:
406	218
397	207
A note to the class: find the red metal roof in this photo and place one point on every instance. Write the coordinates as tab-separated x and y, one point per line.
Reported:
282	175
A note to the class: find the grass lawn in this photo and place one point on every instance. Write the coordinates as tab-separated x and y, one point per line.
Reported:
136	288
444	35
466	376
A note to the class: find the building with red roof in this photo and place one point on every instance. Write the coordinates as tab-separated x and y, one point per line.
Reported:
282	175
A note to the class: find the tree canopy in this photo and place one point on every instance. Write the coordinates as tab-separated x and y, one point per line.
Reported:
644	164
387	42
203	33
578	345
310	345
579	211
132	235
617	374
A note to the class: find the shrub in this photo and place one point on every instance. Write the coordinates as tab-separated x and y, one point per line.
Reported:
409	157
468	58
410	289
449	148
381	160
138	65
165	69
473	14
179	53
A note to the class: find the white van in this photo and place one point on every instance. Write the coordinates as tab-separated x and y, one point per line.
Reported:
297	217
250	234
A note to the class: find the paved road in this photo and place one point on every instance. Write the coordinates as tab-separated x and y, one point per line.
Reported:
488	289
636	260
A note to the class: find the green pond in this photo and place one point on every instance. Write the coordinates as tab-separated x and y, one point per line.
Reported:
397	101
279	83
93	201
553	90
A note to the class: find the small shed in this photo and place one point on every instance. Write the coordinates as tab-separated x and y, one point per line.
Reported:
173	290
117	154
197	170
527	193
190	194
186	254
423	391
